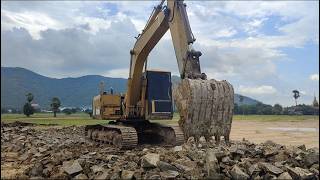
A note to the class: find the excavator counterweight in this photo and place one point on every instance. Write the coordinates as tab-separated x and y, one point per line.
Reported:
205	106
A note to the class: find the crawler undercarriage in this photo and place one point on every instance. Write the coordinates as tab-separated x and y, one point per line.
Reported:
126	134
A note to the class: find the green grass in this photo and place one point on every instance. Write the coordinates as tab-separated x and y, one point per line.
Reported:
44	115
84	119
47	118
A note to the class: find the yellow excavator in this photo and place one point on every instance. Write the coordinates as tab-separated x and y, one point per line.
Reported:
205	106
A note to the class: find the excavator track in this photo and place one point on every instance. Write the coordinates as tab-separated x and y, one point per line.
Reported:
170	135
179	137
128	136
122	137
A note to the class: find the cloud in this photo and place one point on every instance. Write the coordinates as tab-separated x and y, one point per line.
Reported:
226	32
119	73
303	92
69	52
253	27
258	90
314	77
34	22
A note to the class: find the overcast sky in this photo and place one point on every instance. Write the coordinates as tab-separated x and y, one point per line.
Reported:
265	49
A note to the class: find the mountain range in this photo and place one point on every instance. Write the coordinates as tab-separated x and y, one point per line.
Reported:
72	92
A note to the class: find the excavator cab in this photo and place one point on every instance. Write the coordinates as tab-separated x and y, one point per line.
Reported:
158	95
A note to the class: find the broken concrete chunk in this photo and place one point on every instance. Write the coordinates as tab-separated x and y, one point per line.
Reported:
237	173
81	176
202	140
127	174
311	158
191	140
41	150
270	168
269	151
112	157
115	175
71	167
212	164
150	160
104	175
300	173
169	174
97	168
253	169
177	148
285	176
154	176
37	170
163	166
226	160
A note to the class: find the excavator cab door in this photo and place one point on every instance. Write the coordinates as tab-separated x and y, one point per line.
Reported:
158	95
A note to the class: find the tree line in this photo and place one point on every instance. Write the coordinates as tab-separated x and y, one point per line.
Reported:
277	109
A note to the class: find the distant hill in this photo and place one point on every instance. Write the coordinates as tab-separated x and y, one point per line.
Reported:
16	82
76	92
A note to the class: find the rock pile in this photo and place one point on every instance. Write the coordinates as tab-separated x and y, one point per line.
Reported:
64	153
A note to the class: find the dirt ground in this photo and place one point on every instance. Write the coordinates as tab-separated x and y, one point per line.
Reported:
282	132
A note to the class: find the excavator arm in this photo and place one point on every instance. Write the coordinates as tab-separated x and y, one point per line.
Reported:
182	38
205	106
173	17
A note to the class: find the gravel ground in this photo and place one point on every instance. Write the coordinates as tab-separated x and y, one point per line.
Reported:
29	151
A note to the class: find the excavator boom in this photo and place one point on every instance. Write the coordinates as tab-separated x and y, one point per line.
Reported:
173	17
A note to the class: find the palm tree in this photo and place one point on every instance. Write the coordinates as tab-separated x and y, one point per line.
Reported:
315	105
55	104
241	100
296	95
27	108
29	97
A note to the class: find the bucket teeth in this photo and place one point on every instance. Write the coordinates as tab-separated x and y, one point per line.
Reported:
205	107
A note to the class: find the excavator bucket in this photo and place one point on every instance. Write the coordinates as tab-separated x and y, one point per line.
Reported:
205	107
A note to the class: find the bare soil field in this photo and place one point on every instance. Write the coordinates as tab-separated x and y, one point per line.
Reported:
282	132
